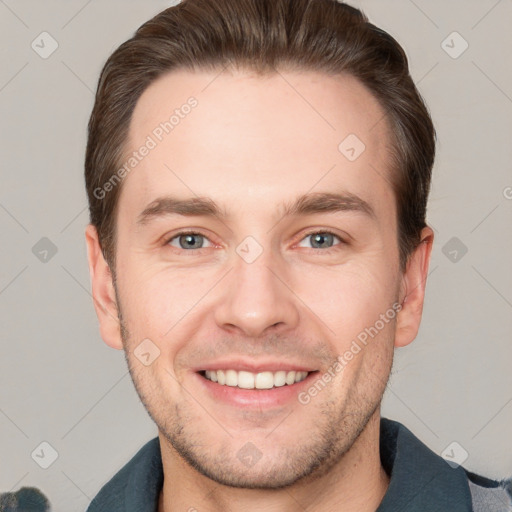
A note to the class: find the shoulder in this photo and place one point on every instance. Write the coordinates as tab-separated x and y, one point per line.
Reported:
422	478
489	495
137	479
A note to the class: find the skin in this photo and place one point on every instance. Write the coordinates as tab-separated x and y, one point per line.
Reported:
252	144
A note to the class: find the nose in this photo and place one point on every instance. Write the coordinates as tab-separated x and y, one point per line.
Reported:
257	299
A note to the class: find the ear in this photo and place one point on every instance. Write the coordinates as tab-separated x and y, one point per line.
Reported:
412	290
103	292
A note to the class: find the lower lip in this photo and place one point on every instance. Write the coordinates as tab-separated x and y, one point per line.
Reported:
256	398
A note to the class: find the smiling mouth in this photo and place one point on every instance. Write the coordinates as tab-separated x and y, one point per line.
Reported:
249	380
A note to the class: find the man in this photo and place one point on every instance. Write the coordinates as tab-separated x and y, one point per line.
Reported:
258	174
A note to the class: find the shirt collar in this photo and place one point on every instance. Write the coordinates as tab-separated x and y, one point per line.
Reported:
145	482
420	480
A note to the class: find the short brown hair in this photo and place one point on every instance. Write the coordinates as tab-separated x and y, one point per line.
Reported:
263	35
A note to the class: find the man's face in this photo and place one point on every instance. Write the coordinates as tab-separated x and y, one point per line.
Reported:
254	289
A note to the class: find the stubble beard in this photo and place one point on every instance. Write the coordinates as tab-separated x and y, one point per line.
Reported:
338	427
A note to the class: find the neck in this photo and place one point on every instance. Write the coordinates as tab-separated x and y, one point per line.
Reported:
357	482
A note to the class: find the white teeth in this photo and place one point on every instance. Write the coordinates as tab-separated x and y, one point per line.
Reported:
264	380
245	380
231	378
248	380
279	379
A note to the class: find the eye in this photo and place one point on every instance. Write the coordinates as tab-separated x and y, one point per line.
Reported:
188	240
321	240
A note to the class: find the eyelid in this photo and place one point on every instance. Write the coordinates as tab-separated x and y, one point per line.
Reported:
168	238
312	231
320	230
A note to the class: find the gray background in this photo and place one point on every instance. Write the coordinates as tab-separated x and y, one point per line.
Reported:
61	384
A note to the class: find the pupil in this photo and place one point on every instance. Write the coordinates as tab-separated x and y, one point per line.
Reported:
189	241
319	238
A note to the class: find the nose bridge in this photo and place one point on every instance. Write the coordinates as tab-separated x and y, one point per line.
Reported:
256	297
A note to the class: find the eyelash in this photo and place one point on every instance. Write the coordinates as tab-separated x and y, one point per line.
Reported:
314	232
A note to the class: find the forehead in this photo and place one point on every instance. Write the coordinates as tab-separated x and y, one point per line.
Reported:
252	142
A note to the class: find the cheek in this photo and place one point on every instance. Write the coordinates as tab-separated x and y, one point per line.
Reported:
158	304
349	298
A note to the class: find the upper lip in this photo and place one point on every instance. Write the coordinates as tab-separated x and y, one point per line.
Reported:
254	366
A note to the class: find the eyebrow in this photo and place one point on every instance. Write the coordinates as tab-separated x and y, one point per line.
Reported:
306	204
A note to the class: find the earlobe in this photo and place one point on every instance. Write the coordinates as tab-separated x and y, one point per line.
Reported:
412	290
103	292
